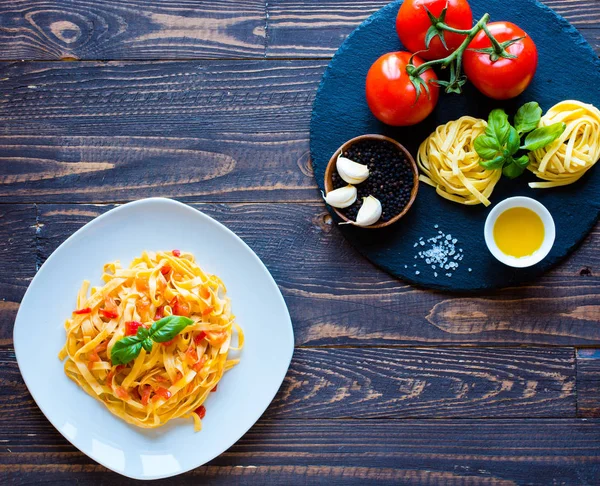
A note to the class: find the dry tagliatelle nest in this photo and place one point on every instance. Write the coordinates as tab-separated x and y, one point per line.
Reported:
448	161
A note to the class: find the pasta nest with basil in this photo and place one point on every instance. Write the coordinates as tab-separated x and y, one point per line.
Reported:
449	162
171	379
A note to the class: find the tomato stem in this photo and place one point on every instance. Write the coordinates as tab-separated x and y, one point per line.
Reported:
498	49
446	61
454	60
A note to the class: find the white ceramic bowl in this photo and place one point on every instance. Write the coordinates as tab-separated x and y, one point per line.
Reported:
549	231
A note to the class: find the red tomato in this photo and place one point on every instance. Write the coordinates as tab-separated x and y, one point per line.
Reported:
146	392
199	337
201	411
504	78
109	313
131	328
180	308
413	23
85	310
176	253
165	270
161	393
391	95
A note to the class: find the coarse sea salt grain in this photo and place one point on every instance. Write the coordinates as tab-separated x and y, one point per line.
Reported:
440	252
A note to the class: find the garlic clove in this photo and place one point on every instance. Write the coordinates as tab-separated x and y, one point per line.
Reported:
369	213
342	197
352	172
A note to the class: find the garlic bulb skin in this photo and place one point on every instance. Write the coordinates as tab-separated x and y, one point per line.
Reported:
342	197
369	213
352	172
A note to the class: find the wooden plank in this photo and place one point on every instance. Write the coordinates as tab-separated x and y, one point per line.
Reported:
588	382
395	383
336	297
18	231
151	30
109	132
428	383
135	29
460	452
294	30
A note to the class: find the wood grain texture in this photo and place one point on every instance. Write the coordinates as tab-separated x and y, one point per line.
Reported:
18	230
336	297
194	29
132	29
222	131
588	382
370	383
294	30
462	452
428	383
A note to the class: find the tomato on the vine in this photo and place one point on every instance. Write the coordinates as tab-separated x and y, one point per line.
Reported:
502	78
391	94
413	23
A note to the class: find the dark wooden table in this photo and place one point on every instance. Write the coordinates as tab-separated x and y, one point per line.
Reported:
209	102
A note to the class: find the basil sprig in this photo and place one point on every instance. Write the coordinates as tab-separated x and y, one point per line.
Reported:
499	145
128	348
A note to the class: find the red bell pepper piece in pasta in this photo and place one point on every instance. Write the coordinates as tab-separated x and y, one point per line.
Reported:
200	411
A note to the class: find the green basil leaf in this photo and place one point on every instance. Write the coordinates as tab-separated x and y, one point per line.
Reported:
512	170
147	344
513	142
522	161
543	136
496	163
528	117
125	350
168	327
487	147
142	333
498	126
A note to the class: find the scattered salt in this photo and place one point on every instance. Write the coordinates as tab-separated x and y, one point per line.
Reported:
441	252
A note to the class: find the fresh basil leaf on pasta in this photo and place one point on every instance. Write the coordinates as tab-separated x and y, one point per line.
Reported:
498	126
487	147
513	141
528	117
168	327
543	136
493	164
125	350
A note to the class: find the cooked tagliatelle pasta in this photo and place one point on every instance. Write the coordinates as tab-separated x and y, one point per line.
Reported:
575	152
171	379
448	161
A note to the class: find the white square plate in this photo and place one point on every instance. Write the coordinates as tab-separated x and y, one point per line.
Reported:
244	392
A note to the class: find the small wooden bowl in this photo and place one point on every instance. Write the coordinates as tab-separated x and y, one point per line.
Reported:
331	167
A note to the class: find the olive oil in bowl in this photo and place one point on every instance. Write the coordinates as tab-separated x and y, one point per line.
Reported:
519	232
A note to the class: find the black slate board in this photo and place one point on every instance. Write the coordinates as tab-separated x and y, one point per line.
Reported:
568	69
